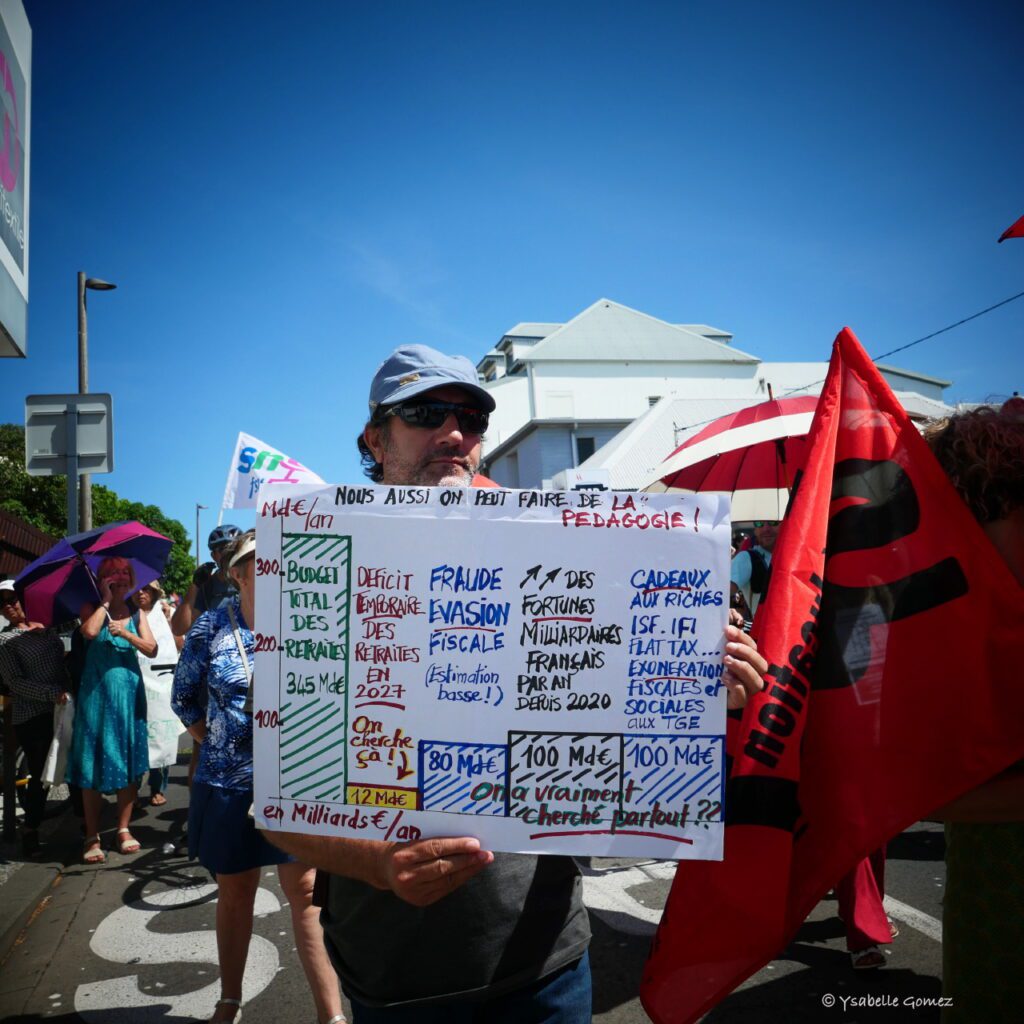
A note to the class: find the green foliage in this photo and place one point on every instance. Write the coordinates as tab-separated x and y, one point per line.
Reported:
39	500
42	501
107	507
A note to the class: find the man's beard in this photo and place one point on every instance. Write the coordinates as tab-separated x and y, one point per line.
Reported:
426	472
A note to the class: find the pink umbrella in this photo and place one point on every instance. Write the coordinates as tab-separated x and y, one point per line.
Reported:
753	454
55	586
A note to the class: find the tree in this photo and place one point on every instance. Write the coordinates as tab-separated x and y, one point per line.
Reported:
42	501
39	500
108	507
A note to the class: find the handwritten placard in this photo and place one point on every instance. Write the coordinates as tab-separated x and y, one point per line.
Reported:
541	670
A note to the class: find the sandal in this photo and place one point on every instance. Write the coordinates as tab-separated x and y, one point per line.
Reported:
867	959
157	800
237	1003
338	1018
129	845
93	852
894	928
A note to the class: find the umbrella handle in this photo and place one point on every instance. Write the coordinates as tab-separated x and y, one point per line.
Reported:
780	447
95	582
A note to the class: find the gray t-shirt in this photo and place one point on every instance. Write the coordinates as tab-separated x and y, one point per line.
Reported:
519	920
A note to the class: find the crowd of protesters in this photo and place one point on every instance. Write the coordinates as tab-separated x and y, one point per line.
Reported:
427	417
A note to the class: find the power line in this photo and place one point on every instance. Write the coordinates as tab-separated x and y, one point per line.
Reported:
934	334
874	359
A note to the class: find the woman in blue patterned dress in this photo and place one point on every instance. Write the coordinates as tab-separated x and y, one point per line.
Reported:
110	744
218	652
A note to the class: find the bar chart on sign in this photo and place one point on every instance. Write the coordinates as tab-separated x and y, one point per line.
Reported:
313	678
541	670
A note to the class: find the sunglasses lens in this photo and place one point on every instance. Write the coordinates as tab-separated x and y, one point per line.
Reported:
431	415
472	421
424	415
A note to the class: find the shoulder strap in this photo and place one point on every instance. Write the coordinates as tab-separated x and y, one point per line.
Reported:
244	656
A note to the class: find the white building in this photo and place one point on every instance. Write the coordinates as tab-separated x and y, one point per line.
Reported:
612	392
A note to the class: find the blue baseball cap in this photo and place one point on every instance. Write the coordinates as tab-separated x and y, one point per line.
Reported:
413	369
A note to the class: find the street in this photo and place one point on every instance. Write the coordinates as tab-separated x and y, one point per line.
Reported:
132	941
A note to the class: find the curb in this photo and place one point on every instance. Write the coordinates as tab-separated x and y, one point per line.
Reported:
30	883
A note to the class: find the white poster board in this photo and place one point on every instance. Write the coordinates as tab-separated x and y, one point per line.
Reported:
540	670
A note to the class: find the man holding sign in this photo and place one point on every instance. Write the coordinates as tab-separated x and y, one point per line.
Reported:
439	929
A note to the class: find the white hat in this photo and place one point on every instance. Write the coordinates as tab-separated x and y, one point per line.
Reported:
246	548
7	585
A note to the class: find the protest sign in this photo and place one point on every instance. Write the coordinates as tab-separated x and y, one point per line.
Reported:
540	670
256	463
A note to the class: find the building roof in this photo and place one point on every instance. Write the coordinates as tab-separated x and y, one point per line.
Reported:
705	330
610	332
531	330
912	375
20	544
921	408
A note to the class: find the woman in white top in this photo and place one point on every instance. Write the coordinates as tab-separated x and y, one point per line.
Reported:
163	725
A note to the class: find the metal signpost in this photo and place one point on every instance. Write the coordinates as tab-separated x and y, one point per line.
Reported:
69	435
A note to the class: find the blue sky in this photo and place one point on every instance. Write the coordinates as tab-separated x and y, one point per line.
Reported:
285	192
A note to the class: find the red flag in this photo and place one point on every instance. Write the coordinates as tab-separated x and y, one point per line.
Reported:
888	625
1015	230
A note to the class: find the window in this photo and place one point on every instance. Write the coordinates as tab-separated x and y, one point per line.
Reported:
653	400
585	447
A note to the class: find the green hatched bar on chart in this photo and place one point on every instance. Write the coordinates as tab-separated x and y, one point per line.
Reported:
312	760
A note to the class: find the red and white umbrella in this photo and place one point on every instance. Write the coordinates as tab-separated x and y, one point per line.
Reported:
753	454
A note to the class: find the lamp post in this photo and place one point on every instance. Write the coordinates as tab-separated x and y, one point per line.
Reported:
96	285
198	507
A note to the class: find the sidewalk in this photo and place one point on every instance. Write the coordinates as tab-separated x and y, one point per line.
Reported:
26	882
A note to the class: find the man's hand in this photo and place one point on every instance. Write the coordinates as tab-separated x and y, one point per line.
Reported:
427	870
203	574
744	667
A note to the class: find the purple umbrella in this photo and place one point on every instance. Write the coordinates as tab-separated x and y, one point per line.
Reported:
54	587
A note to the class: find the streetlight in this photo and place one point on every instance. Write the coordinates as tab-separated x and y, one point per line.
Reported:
198	507
96	285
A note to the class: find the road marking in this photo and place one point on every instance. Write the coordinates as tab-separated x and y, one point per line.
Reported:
124	937
606	893
913	917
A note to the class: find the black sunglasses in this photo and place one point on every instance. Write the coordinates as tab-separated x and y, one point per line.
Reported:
431	415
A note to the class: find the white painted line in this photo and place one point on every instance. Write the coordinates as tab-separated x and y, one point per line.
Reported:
124	937
916	919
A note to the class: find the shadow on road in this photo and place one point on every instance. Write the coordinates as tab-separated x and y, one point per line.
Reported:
918	845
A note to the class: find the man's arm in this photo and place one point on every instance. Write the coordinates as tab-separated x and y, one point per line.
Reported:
420	873
181	620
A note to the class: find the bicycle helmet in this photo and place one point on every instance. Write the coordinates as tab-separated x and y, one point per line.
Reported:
221	535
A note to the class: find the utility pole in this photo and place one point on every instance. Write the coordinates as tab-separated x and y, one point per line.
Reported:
198	507
85	484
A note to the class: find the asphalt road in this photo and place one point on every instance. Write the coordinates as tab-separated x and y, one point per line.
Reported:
133	942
